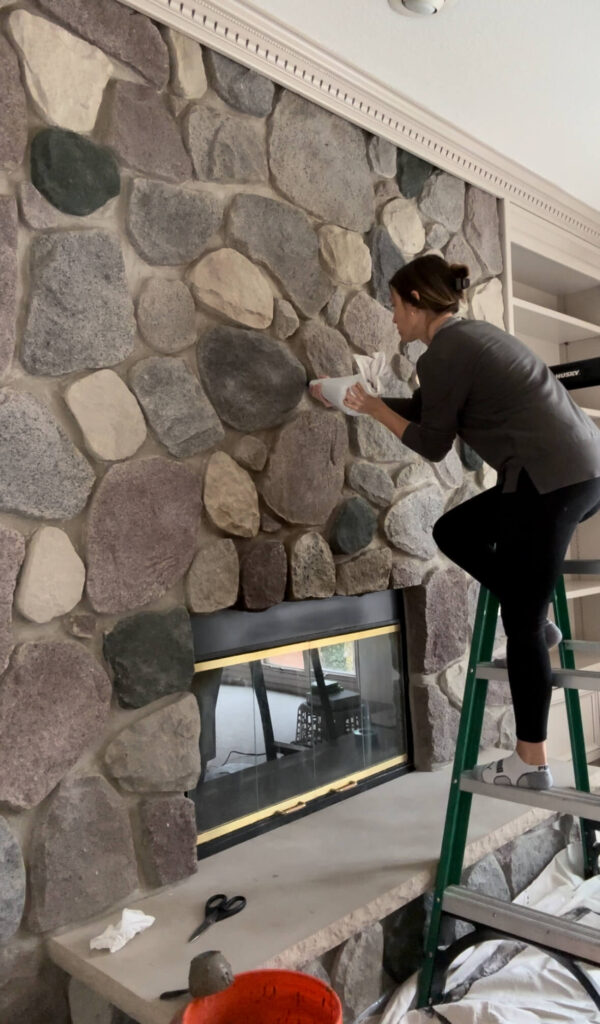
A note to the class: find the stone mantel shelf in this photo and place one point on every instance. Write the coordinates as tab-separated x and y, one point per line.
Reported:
310	885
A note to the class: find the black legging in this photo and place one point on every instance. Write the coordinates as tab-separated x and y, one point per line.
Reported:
515	544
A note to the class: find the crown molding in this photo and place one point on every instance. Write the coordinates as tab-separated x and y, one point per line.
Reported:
241	31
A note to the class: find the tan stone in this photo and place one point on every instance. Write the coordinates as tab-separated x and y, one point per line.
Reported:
52	579
345	255
213	580
227	283
230	497
109	416
65	76
401	218
487	303
188	77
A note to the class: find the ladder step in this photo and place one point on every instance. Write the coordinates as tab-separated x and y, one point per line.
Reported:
566	800
567	678
563	936
593	646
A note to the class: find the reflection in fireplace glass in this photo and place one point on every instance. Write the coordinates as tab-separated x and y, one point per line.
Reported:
287	725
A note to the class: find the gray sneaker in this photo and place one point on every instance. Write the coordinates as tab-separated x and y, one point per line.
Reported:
539	777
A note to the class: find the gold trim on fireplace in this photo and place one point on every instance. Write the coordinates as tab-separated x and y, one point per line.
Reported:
308	645
299	801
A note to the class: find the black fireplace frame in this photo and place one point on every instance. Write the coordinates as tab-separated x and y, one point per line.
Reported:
298	622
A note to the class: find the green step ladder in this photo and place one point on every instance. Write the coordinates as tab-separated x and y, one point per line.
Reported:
571	943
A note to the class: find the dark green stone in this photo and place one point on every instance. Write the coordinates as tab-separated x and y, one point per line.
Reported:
151	655
412	174
72	173
386	260
353	527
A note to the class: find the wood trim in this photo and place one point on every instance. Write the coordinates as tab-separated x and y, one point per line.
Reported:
241	31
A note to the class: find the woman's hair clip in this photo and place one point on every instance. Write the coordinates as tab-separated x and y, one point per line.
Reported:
461	283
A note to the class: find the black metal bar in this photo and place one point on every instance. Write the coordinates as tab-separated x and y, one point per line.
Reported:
582	567
582	373
326	706
482	933
258	683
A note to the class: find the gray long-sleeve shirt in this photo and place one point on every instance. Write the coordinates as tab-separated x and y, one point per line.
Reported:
481	384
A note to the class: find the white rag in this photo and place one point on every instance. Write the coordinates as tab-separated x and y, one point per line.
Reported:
370	374
117	935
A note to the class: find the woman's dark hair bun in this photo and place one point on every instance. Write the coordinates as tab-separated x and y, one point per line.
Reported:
461	276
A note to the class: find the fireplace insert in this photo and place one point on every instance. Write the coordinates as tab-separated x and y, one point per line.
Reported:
301	705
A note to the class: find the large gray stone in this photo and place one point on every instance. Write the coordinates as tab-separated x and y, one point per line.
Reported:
412	173
119	31
80	313
32	988
372	482
82	858
368	326
482	230
281	239
151	655
8	280
160	752
169	835
488	878
409	522
365	574
252	381
357	972
73	174
225	147
13	109
136	124
458	250
12	553
407	572
42	474
263	575
54	701
386	259
449	470
443	200
437	622
371	440
141	533
353	527
170	225
12	883
323	350
312	569
166	315
525	857
413	474
175	405
243	89
305	472
382	156
230	497
435	725
213	580
319	161
404	937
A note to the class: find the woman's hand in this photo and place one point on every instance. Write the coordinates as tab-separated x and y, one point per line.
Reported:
315	390
358	400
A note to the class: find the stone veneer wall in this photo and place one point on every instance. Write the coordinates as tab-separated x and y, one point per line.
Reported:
183	245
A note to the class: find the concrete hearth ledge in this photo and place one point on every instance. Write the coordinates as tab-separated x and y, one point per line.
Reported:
310	885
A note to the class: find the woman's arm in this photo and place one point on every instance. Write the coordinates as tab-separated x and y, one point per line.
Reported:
358	399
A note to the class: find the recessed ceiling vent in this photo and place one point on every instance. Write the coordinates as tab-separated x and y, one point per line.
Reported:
418	8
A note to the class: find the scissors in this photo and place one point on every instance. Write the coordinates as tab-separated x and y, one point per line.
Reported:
217	908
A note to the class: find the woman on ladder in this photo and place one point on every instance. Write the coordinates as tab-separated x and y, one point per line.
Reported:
485	386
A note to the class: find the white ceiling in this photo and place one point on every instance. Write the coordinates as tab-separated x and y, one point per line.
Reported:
522	76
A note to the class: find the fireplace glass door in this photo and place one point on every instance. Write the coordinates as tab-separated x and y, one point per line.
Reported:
285	726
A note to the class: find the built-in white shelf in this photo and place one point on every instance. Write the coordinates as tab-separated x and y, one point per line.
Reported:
539	321
594	413
582	588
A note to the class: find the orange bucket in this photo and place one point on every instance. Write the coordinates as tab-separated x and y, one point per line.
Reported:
268	997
